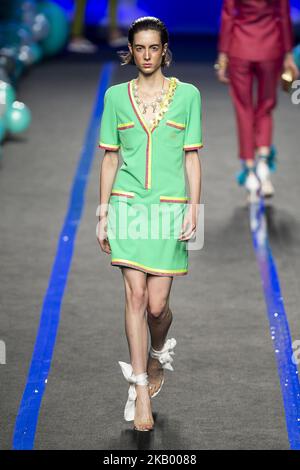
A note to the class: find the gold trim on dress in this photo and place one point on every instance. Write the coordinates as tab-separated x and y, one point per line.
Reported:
174	199
108	146
178	125
164	108
193	146
143	267
125	125
120	192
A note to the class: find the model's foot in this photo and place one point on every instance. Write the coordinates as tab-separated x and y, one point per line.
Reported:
267	189
143	419
82	45
155	374
263	173
253	186
116	38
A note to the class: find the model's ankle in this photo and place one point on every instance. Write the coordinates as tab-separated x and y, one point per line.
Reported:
263	151
250	164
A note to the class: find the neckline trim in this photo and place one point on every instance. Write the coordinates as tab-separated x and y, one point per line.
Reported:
165	105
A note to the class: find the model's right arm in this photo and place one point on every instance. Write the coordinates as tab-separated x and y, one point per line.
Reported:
287	27
109	141
108	170
227	19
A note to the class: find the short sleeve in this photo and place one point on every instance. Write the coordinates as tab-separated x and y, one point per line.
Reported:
109	137
193	129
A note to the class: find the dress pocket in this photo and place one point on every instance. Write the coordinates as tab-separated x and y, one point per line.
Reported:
177	125
125	125
127	134
174	132
121	193
174	199
172	211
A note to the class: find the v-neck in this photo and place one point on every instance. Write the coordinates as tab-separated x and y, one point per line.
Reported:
137	110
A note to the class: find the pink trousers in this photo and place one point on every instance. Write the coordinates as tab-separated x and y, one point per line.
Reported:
253	113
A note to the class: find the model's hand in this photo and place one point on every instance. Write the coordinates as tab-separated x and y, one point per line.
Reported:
189	224
222	63
289	64
101	233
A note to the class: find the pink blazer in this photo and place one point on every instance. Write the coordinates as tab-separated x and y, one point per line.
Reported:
256	29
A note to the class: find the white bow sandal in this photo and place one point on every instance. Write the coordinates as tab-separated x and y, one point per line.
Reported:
139	379
164	356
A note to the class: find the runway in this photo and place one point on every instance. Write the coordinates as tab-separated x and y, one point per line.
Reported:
225	391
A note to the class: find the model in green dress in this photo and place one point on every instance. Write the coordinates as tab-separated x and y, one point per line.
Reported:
149	195
146	216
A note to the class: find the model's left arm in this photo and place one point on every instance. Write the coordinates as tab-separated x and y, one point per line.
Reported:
288	36
287	27
227	21
193	142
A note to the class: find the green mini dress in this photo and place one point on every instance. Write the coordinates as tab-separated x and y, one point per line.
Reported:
149	197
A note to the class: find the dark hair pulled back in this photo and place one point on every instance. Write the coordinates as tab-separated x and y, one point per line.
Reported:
145	23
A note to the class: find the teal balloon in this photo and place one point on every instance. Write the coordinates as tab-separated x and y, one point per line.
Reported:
58	28
36	52
7	93
296	54
2	129
19	68
18	117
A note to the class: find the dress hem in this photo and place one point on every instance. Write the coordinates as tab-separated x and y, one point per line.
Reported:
147	270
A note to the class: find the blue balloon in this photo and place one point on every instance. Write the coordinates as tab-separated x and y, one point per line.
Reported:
25	34
40	27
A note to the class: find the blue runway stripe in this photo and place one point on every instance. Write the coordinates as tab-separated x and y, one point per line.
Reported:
27	417
279	327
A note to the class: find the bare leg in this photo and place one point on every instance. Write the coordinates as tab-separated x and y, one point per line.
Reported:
78	42
136	328
159	321
78	22
263	151
250	163
114	30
